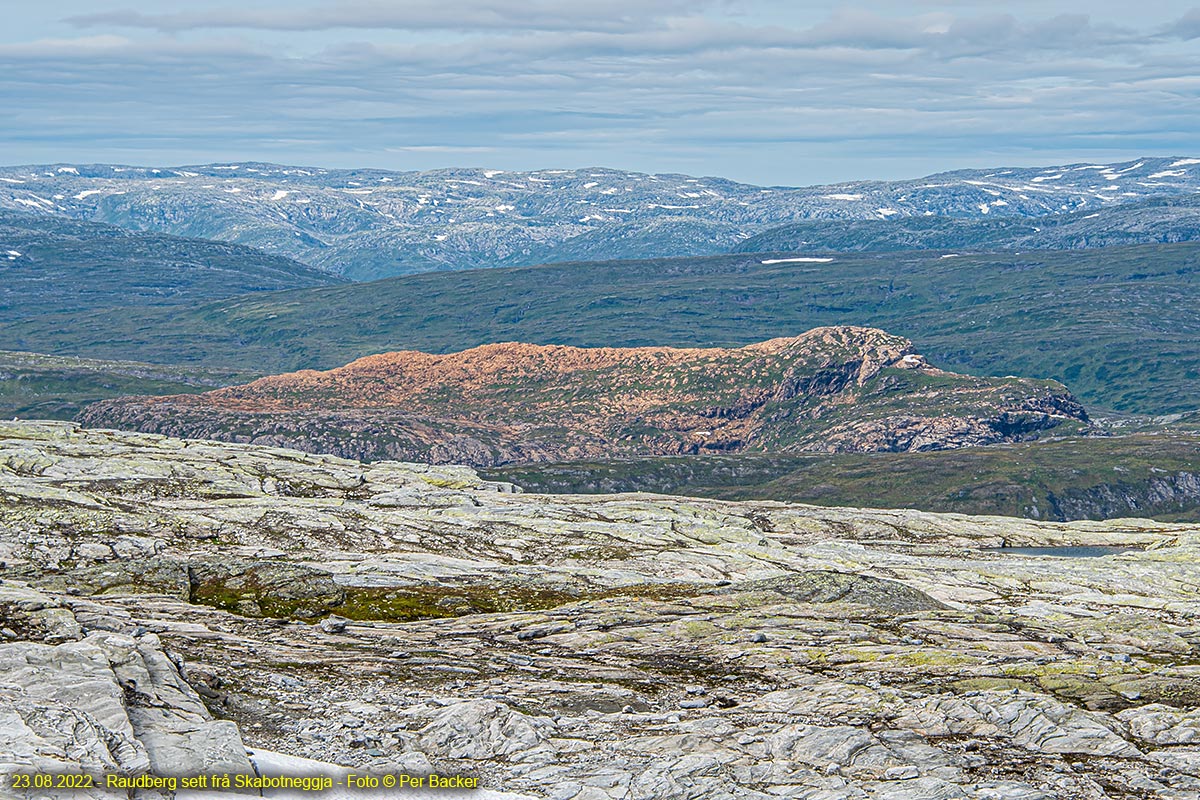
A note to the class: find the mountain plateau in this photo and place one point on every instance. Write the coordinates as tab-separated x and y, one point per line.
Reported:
831	389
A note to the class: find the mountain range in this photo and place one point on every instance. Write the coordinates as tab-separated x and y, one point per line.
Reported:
1158	219
374	223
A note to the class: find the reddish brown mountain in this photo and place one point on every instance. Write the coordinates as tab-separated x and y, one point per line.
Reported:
832	389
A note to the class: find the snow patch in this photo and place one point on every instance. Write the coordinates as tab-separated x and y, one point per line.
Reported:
842	196
280	194
88	193
491	173
950	255
68	171
886	212
11	180
796	261
1183	162
1168	173
1042	178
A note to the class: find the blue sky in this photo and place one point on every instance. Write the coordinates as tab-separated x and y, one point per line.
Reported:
760	91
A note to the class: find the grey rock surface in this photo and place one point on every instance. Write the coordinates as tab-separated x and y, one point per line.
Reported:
576	647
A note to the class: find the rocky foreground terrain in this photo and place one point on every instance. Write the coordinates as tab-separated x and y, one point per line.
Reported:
834	389
186	606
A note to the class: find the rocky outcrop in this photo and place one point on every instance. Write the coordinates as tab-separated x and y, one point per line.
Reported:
1159	492
586	648
831	389
93	693
99	702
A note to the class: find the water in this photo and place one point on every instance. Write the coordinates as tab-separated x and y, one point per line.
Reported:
1074	551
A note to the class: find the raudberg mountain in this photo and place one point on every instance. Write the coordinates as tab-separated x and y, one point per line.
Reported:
831	389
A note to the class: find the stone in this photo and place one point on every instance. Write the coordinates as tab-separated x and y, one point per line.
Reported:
545	643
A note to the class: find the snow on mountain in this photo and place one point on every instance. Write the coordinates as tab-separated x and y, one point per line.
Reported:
372	223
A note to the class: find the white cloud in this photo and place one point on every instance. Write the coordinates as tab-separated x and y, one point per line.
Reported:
454	15
1186	27
82	45
657	85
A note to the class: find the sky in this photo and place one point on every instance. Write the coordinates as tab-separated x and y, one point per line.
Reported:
773	92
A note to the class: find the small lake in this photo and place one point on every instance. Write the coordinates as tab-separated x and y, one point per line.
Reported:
1075	551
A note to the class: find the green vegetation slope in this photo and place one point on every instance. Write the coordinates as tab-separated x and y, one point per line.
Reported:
1142	475
1117	325
48	264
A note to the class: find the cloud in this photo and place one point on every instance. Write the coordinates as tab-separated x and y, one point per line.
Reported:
1186	27
85	46
652	85
413	15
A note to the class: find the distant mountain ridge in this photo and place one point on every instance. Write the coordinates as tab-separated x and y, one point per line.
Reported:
1155	220
54	264
374	223
841	389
